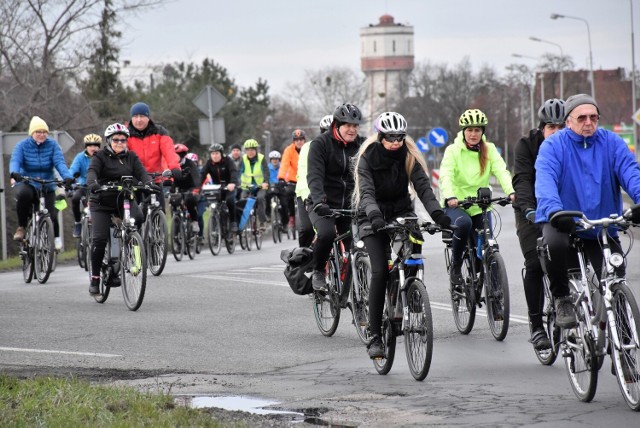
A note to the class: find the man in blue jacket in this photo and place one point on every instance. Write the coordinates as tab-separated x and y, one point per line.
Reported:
37	156
580	168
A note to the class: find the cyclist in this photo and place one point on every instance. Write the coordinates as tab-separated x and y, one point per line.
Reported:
202	202
305	228
79	168
581	168
254	179
110	164
236	155
221	169
288	174
551	116
387	164
330	178
466	166
37	156
274	167
189	183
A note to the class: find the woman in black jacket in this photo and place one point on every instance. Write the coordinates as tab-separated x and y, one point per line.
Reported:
551	115
110	164
387	164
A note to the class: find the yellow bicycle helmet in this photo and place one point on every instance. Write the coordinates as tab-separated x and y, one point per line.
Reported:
251	144
92	139
473	118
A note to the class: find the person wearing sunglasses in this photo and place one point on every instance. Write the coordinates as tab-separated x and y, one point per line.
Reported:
551	116
79	167
388	165
581	168
110	164
466	166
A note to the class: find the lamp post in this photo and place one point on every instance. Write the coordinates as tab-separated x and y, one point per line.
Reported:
556	16
535	39
533	117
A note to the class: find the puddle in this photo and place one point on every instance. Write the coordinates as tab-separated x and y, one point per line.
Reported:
244	404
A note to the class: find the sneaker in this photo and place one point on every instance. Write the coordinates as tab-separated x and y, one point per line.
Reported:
234	226
58	243
565	314
375	348
539	339
19	235
77	229
94	286
318	282
195	227
455	276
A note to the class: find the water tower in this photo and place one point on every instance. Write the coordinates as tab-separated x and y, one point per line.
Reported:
387	60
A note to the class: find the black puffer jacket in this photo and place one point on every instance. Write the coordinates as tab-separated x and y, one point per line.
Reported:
222	172
329	170
105	167
524	176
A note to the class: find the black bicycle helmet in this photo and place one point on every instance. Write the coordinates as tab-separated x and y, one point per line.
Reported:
552	111
347	113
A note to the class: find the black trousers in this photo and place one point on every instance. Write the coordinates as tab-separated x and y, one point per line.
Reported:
305	228
528	235
27	197
325	234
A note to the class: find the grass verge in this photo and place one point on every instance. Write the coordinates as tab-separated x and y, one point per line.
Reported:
15	263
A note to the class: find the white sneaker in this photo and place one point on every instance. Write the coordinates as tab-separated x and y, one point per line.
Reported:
58	243
195	227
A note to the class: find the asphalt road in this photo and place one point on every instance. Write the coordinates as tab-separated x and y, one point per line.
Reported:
230	326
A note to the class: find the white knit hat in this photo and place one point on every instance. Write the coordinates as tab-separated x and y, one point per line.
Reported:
37	124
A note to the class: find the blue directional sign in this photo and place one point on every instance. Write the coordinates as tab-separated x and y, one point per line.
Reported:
438	137
422	144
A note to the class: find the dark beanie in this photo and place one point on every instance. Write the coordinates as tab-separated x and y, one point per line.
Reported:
577	100
236	146
140	108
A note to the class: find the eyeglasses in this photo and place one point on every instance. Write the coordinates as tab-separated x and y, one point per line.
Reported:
41	132
394	138
583	117
119	140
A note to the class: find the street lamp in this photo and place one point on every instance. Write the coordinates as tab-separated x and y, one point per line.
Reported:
533	117
535	39
556	16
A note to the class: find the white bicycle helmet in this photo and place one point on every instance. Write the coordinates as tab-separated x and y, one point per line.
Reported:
391	122
115	128
274	154
325	122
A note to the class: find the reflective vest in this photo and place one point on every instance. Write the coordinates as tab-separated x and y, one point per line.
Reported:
249	175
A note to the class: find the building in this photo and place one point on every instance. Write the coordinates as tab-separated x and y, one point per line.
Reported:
387	60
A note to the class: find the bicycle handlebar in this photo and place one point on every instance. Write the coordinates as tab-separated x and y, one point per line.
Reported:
26	179
623	221
474	200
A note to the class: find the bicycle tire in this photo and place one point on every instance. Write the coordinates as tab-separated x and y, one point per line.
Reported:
463	306
157	242
43	249
360	296
548	356
230	242
579	354
214	234
190	239
383	365
80	253
133	271
626	362
83	243
418	330
248	229
104	289
326	305
87	243
276	221
26	253
177	238
257	233
496	291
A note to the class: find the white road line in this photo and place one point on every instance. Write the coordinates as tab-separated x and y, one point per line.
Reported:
48	351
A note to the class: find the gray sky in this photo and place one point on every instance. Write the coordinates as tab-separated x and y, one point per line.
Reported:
278	39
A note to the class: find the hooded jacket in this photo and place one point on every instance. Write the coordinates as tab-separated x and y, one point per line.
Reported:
39	160
80	166
154	147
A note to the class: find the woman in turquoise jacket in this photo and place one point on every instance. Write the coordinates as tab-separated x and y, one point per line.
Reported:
466	166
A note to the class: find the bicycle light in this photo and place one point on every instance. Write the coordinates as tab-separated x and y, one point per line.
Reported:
616	260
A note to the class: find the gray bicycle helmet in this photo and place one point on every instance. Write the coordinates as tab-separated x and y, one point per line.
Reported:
552	111
216	148
347	113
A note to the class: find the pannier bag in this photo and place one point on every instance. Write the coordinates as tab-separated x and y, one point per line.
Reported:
299	268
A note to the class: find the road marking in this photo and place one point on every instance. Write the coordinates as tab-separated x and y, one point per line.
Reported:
447	307
48	351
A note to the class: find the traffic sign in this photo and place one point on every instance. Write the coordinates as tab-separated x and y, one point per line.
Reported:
636	116
422	144
210	101
438	137
206	136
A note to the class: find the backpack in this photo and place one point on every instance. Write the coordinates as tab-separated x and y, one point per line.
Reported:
299	268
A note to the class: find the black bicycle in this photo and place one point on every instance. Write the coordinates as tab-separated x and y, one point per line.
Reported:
183	239
219	224
155	230
83	243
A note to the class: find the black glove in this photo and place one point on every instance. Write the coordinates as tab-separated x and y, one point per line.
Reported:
16	176
564	224
68	182
94	187
59	197
176	173
635	215
155	188
322	210
377	221
444	221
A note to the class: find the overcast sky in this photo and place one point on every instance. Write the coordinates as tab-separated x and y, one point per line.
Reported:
277	40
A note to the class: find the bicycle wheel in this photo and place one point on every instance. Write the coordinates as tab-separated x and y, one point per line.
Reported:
133	271
44	249
84	241
257	233
383	365
418	330
26	254
104	289
326	305
548	356
463	306
626	358
579	353
190	239
497	296
177	238
248	232
360	297
80	253
157	242
214	236
230	240
276	221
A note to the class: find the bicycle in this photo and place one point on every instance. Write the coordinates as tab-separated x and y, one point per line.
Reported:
83	243
407	310
249	231
125	255
154	231
482	268
343	287
608	317
37	249
277	225
218	225
183	239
